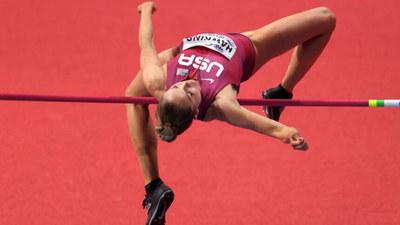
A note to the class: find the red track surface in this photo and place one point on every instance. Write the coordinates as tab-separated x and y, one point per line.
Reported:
73	163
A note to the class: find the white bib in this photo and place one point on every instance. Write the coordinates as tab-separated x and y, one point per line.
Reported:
216	42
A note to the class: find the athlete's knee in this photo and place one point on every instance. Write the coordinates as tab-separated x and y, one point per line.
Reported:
130	92
136	88
327	17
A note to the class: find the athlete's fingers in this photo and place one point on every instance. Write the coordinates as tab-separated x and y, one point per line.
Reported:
303	146
299	144
147	4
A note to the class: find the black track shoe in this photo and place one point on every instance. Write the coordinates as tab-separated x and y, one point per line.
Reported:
275	93
157	204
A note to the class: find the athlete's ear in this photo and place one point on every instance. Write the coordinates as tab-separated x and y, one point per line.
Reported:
197	113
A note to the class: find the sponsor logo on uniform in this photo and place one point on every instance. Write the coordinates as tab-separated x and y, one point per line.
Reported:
208	79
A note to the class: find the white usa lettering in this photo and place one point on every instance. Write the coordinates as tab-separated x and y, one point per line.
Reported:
206	65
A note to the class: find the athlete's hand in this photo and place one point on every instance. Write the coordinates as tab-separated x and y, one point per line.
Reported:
147	6
292	136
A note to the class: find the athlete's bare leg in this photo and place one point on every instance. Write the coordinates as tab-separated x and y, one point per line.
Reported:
142	130
308	32
141	125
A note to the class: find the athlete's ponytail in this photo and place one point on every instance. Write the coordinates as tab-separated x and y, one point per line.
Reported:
172	119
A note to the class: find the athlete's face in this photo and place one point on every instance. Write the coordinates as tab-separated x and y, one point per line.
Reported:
186	92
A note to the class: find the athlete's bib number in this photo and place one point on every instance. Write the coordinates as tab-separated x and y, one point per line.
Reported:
216	42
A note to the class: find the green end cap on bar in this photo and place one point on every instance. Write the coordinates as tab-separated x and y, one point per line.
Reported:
376	103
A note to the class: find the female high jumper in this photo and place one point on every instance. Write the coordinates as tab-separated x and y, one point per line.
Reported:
200	79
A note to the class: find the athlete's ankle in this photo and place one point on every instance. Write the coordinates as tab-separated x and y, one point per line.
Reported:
285	94
285	88
152	185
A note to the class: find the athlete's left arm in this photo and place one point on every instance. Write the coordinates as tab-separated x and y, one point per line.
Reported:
226	108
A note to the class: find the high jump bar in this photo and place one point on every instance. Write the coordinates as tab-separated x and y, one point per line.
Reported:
248	102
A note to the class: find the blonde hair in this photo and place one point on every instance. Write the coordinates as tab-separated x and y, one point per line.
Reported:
172	119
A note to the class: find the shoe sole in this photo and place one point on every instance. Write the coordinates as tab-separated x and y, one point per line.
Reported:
163	204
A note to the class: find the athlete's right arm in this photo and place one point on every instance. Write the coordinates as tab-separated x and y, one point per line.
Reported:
227	109
150	65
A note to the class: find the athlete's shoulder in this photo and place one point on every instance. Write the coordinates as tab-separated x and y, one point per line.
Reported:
222	102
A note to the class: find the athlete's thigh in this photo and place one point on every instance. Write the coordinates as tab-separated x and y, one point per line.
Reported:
280	36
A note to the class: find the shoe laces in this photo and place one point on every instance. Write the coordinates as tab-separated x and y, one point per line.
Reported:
145	203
